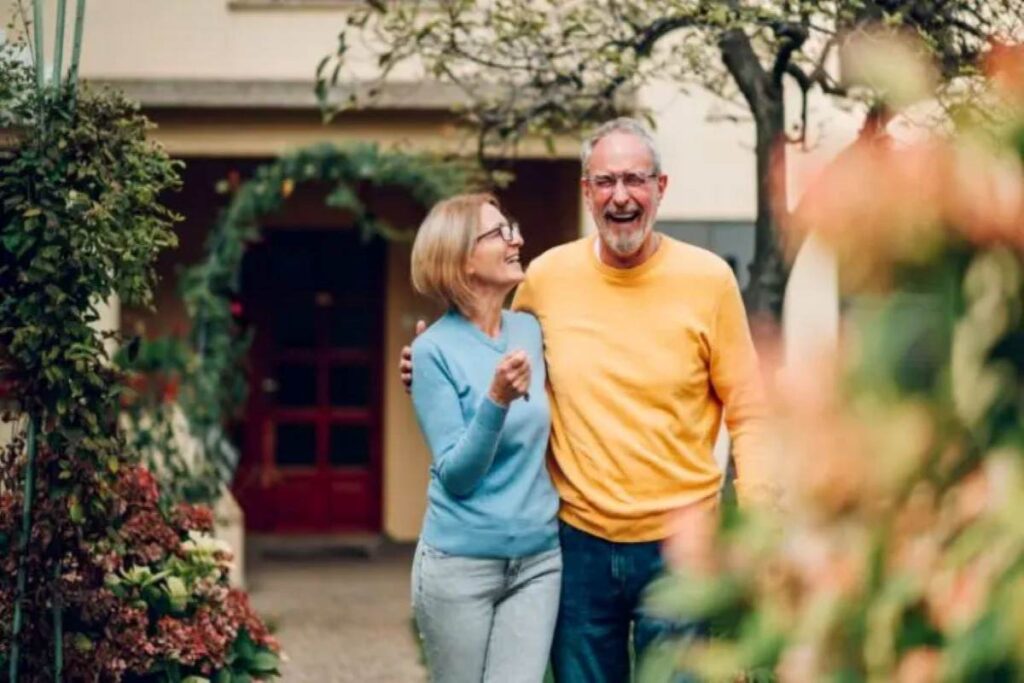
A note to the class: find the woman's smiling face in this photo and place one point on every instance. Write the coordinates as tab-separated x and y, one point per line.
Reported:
494	260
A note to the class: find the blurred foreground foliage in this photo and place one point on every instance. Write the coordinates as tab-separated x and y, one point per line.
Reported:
899	554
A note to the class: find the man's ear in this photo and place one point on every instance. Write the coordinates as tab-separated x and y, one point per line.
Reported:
662	184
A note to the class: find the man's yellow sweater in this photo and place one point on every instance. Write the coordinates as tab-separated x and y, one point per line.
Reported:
640	363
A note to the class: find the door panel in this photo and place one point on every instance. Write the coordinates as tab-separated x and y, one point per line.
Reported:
349	386
348	445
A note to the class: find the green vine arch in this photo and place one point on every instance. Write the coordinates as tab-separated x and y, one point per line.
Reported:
207	368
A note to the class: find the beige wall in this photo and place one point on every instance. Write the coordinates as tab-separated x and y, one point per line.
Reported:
226	133
199	39
7	430
406	459
177	41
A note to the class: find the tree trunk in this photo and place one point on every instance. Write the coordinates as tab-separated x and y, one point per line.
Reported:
763	92
768	272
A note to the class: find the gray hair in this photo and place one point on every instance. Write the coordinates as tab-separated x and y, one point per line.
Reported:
623	124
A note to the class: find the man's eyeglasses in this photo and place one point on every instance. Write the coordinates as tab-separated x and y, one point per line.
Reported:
608	181
508	231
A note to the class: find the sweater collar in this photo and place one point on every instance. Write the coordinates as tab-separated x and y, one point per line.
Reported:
499	343
626	275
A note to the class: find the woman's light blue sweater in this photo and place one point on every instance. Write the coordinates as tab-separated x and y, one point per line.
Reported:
490	494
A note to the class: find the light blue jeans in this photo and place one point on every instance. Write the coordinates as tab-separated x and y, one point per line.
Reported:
486	619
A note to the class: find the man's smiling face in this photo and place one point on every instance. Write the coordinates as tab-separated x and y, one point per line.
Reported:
624	212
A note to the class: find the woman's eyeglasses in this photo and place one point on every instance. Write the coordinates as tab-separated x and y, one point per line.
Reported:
508	231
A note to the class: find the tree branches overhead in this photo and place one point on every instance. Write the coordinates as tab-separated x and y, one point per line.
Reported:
544	66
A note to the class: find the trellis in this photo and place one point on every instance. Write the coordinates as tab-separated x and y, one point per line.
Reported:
216	385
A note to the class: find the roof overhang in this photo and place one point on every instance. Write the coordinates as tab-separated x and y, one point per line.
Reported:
204	117
184	93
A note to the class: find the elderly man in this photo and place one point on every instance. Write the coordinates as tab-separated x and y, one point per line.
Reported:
646	342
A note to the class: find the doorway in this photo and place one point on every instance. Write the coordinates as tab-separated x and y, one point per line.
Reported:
312	456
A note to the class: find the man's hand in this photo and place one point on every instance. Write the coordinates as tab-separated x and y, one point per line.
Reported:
405	364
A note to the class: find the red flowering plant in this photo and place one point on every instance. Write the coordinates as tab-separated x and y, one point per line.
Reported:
199	625
145	597
898	554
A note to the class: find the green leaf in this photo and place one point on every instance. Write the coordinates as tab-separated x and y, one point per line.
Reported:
658	663
82	643
177	594
265	662
13	240
245	646
344	197
75	511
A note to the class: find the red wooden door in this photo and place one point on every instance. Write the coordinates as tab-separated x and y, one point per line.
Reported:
311	459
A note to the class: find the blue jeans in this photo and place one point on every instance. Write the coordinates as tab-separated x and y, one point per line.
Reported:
602	589
485	619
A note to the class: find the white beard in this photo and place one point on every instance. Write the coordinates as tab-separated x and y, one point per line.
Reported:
623	244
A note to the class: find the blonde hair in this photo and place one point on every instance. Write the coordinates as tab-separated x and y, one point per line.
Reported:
442	248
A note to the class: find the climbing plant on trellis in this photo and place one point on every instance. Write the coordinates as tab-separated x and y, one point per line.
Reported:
207	369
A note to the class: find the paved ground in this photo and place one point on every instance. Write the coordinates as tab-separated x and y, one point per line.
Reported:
340	617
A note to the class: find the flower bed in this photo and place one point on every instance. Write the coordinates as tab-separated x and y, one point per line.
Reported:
150	600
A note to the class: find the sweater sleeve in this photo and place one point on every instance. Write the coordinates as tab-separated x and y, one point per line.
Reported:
736	379
462	450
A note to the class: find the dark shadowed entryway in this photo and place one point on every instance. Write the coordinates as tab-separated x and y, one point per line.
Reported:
312	447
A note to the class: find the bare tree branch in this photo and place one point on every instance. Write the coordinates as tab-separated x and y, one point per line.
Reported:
806	84
793	37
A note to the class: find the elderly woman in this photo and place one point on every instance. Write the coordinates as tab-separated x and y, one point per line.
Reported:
487	572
